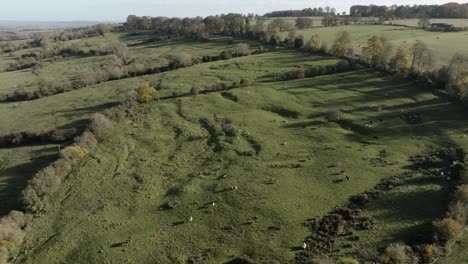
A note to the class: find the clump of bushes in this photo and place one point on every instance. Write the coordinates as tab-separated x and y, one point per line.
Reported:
146	93
448	229
314	71
399	253
27	138
11	233
24	63
74	153
181	60
101	126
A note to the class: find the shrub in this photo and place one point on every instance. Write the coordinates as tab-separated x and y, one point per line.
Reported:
74	153
146	93
194	90
242	49
334	115
101	126
399	254
430	252
458	211
87	140
181	60
448	229
3	255
62	168
88	77
461	194
370	255
11	234
347	261
228	128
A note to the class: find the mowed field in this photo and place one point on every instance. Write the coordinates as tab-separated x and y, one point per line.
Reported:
249	194
443	45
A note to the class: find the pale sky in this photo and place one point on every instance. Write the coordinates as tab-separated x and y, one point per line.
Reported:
117	10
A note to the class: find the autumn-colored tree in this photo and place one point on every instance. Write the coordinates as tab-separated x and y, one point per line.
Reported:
314	44
374	49
146	93
401	62
458	76
342	45
291	38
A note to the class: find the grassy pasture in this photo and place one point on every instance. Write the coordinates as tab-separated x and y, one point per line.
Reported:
443	45
109	208
73	109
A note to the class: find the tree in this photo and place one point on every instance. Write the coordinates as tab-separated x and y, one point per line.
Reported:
314	44
329	20
342	45
422	57
401	62
424	23
279	24
457	82
299	42
291	38
303	22
146	93
374	50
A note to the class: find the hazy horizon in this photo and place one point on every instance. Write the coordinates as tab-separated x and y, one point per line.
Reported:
108	10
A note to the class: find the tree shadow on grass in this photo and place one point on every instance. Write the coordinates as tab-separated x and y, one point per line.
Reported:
15	179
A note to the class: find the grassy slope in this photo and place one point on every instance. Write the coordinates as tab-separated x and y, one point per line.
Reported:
443	45
165	153
73	109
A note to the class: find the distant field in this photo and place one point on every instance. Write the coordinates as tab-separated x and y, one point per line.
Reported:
413	22
443	45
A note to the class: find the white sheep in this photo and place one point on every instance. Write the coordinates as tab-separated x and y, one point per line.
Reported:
304	245
190	219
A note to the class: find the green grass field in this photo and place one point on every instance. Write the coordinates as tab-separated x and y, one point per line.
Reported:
249	194
168	153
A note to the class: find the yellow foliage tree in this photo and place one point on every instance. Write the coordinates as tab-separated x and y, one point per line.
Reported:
74	152
315	43
401	62
342	45
146	93
374	49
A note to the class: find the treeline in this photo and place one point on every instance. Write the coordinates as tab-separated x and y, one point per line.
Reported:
306	12
449	10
